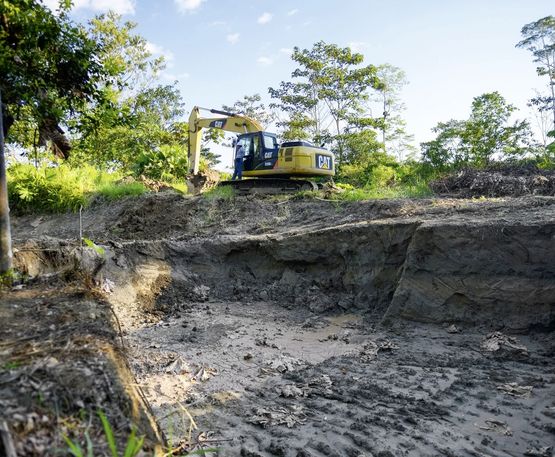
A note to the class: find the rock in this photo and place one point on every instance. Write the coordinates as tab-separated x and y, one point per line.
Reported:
453	329
200	293
503	346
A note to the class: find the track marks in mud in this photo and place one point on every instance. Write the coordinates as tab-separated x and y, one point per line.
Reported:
436	394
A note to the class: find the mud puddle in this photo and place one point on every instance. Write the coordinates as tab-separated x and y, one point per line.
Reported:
257	379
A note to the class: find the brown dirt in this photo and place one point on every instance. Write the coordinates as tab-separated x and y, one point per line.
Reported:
61	361
265	326
496	182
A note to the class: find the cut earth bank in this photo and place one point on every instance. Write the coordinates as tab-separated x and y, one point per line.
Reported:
307	327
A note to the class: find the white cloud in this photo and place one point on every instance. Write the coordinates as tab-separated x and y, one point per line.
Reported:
232	38
158	50
265	18
287	51
263	60
52	4
188	6
217	23
118	6
357	46
292	12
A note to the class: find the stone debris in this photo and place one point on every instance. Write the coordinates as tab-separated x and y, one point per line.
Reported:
453	329
108	286
292	416
282	364
494	425
264	342
291	391
178	366
496	182
546	451
371	348
320	385
504	346
515	390
204	374
200	293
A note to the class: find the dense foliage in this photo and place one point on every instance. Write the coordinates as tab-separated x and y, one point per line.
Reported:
50	71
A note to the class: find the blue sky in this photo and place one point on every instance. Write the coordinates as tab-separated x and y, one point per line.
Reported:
451	51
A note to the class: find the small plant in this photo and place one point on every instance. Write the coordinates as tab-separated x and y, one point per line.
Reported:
133	446
91	244
11	365
7	278
220	193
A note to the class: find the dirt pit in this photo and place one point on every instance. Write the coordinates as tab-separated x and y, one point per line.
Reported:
262	380
268	327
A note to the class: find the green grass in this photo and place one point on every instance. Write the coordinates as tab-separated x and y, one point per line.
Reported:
419	190
220	193
180	187
114	191
62	188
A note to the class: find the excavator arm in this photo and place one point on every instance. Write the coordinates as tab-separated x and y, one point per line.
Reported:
230	122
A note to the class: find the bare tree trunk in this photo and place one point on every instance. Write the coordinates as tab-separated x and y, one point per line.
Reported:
5	232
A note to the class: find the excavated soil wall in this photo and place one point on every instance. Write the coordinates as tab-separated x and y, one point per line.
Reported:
489	264
434	272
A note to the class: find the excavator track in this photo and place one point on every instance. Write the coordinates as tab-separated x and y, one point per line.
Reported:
271	185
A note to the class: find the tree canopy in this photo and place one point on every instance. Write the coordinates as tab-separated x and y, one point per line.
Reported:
487	133
50	68
325	99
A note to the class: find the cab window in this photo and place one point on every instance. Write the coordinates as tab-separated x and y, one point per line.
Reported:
270	142
255	146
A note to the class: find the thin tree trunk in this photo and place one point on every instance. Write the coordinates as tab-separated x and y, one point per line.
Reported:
6	263
550	73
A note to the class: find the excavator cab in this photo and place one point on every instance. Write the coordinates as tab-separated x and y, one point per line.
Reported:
261	150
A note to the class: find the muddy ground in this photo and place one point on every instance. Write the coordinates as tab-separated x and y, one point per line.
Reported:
272	381
283	327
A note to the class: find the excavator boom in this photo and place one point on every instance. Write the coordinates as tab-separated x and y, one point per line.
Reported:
230	122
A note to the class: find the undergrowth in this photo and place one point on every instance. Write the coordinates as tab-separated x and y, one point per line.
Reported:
412	190
220	193
62	188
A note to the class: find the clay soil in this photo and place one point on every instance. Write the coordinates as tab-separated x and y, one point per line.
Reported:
224	366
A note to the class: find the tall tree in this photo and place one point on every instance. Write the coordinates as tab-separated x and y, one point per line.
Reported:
49	67
5	229
327	94
138	119
539	39
486	134
395	138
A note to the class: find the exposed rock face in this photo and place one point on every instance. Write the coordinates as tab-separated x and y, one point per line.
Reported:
489	264
493	274
489	274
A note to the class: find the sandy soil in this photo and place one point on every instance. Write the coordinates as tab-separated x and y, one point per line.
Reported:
269	375
262	380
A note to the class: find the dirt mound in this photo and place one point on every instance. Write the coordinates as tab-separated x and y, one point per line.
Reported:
61	361
496	182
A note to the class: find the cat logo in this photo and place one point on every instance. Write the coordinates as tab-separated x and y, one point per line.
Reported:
323	162
217	124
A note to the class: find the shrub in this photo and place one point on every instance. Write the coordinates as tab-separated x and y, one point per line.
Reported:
61	188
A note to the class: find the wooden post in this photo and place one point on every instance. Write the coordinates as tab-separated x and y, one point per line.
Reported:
6	261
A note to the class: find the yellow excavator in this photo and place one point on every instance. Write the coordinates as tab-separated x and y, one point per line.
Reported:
276	167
